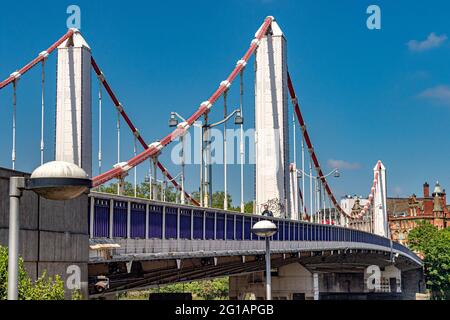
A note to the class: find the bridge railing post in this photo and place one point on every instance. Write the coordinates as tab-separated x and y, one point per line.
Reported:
243	227
234	227
163	223
91	217
147	210
111	218
215	225
192	224
225	223
128	219
178	223
204	225
251	225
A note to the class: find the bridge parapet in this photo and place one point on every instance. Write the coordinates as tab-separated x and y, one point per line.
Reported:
149	230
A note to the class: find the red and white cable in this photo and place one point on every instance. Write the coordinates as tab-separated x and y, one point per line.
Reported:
155	147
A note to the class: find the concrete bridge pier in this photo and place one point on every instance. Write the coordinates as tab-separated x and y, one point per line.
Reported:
296	282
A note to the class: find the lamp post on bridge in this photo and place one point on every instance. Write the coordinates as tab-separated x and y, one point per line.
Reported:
238	120
55	180
335	174
206	193
266	229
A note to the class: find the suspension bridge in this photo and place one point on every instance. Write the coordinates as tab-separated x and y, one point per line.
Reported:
138	243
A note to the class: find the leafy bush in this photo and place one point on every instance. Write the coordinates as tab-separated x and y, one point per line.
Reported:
44	288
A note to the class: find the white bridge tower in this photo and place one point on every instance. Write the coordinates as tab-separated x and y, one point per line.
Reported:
271	123
380	218
73	103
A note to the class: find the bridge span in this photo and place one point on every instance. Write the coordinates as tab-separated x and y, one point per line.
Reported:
139	243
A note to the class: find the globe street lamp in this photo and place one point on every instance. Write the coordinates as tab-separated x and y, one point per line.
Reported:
205	152
238	120
56	180
266	229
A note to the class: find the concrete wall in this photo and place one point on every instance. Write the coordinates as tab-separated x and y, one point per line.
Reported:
53	234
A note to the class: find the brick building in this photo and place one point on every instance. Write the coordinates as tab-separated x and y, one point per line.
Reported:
405	213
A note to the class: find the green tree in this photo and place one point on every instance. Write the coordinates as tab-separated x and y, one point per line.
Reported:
419	237
44	288
215	289
434	244
142	190
218	198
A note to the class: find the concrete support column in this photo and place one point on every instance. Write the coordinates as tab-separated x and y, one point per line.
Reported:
316	285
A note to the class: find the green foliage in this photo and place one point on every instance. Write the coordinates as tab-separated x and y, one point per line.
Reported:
24	281
142	190
44	288
434	244
216	289
218	198
418	237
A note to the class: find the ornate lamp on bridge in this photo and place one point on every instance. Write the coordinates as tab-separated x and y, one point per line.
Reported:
266	229
56	180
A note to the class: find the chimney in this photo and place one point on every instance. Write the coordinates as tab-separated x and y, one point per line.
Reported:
426	190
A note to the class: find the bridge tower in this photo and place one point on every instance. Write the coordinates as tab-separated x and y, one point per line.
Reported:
381	226
73	103
271	123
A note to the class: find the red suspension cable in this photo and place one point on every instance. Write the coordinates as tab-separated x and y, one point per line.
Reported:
36	60
155	147
310	147
134	130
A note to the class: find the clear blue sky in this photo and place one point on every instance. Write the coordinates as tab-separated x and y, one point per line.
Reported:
366	95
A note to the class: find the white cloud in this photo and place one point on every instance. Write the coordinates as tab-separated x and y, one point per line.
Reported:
439	93
431	42
341	164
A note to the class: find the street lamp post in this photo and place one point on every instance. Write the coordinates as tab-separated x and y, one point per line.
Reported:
173	122
301	173
238	120
206	173
56	180
266	229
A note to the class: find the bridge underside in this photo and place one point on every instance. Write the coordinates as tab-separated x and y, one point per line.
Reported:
154	272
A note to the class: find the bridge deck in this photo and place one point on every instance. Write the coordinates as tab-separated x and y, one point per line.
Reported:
153	230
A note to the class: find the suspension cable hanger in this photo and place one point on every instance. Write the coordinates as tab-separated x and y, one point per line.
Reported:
203	108
122	113
100	98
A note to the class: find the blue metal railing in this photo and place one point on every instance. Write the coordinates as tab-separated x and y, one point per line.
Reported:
158	220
